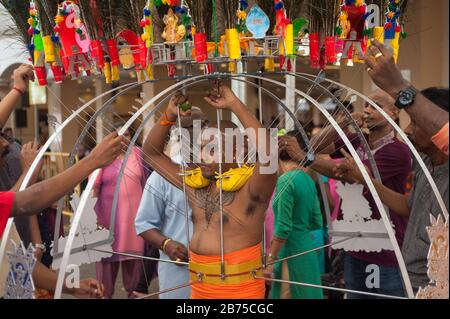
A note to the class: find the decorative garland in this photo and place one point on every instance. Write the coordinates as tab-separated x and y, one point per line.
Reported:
37	45
82	43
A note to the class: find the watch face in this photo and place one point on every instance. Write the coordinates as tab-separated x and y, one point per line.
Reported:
405	98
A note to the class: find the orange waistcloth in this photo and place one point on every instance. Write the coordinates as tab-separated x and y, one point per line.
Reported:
252	289
441	139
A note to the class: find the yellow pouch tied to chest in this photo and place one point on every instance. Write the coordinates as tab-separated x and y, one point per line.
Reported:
232	180
195	179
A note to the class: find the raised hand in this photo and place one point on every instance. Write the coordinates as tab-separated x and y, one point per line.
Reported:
22	75
348	170
107	151
28	154
174	107
383	70
290	145
222	97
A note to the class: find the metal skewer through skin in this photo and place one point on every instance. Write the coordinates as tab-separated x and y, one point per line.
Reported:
183	170
315	249
261	119
222	240
180	263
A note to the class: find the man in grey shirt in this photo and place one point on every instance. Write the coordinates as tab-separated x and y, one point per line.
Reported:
422	200
421	203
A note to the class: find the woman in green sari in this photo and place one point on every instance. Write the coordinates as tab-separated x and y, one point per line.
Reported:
297	218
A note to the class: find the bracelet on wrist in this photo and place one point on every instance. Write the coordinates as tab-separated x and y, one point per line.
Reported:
165	121
164	244
15	88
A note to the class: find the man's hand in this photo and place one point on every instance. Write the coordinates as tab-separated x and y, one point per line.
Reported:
22	75
222	97
348	171
290	145
107	151
383	70
174	106
176	251
89	289
343	121
28	154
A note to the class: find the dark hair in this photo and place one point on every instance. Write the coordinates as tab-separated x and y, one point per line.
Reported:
284	156
438	96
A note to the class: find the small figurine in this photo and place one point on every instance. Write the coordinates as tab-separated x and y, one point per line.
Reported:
352	21
173	33
74	38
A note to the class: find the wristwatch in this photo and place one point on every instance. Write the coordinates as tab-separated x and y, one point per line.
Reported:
309	159
406	97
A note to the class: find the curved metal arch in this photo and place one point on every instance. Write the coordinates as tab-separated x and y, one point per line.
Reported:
405	138
348	115
51	139
369	183
332	122
82	136
105	107
139	131
89	187
80	209
147	118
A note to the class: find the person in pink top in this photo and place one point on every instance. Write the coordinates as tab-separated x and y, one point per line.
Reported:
125	238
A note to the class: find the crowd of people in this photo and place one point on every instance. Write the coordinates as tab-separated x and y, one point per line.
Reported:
201	228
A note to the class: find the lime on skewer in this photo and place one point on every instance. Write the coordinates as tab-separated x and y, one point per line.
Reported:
186	106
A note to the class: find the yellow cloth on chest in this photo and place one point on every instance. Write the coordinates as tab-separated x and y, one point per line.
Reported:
232	180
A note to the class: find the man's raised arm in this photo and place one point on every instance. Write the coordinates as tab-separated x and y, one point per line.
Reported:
39	196
156	141
22	76
262	183
387	76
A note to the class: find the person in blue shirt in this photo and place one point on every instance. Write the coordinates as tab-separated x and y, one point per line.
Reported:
161	216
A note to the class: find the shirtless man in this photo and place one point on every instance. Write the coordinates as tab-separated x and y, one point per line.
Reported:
243	209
